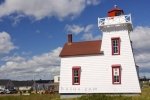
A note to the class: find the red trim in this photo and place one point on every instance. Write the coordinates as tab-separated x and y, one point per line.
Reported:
79	74
115	38
119	67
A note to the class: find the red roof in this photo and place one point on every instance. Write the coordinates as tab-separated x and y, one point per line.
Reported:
115	9
81	48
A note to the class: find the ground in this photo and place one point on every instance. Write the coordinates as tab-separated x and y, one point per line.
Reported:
145	95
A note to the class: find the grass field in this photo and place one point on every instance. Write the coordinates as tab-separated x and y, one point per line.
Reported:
31	97
145	95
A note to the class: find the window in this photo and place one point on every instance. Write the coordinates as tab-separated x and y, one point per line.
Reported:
116	74
115	42
76	75
118	13
58	79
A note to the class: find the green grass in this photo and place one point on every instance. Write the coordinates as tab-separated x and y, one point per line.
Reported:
31	97
145	95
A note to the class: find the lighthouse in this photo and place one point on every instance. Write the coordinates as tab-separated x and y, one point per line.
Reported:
117	46
105	66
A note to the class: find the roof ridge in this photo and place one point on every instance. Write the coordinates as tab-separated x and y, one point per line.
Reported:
86	41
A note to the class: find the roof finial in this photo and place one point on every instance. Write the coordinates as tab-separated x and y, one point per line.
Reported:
115	6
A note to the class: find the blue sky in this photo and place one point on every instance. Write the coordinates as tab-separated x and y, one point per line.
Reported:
33	32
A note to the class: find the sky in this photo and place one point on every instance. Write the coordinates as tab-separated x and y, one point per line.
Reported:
33	32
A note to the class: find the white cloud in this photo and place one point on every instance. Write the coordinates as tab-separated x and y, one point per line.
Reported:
141	36
6	45
93	2
75	29
141	47
13	58
89	36
89	28
16	19
40	9
87	31
41	66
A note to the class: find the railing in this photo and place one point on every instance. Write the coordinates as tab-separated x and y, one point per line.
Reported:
114	20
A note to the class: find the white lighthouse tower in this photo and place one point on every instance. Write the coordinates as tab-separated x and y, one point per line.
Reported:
117	48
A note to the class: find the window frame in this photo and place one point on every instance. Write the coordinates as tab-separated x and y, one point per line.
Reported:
112	46
118	13
118	66
79	74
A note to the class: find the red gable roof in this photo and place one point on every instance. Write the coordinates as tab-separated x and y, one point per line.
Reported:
115	12
115	9
81	48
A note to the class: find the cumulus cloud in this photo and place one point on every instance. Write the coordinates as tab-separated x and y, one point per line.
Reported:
6	45
13	58
88	31
141	47
40	9
141	36
90	36
75	29
40	66
89	28
93	2
16	19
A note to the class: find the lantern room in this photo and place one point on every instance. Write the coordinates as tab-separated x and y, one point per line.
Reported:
115	12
